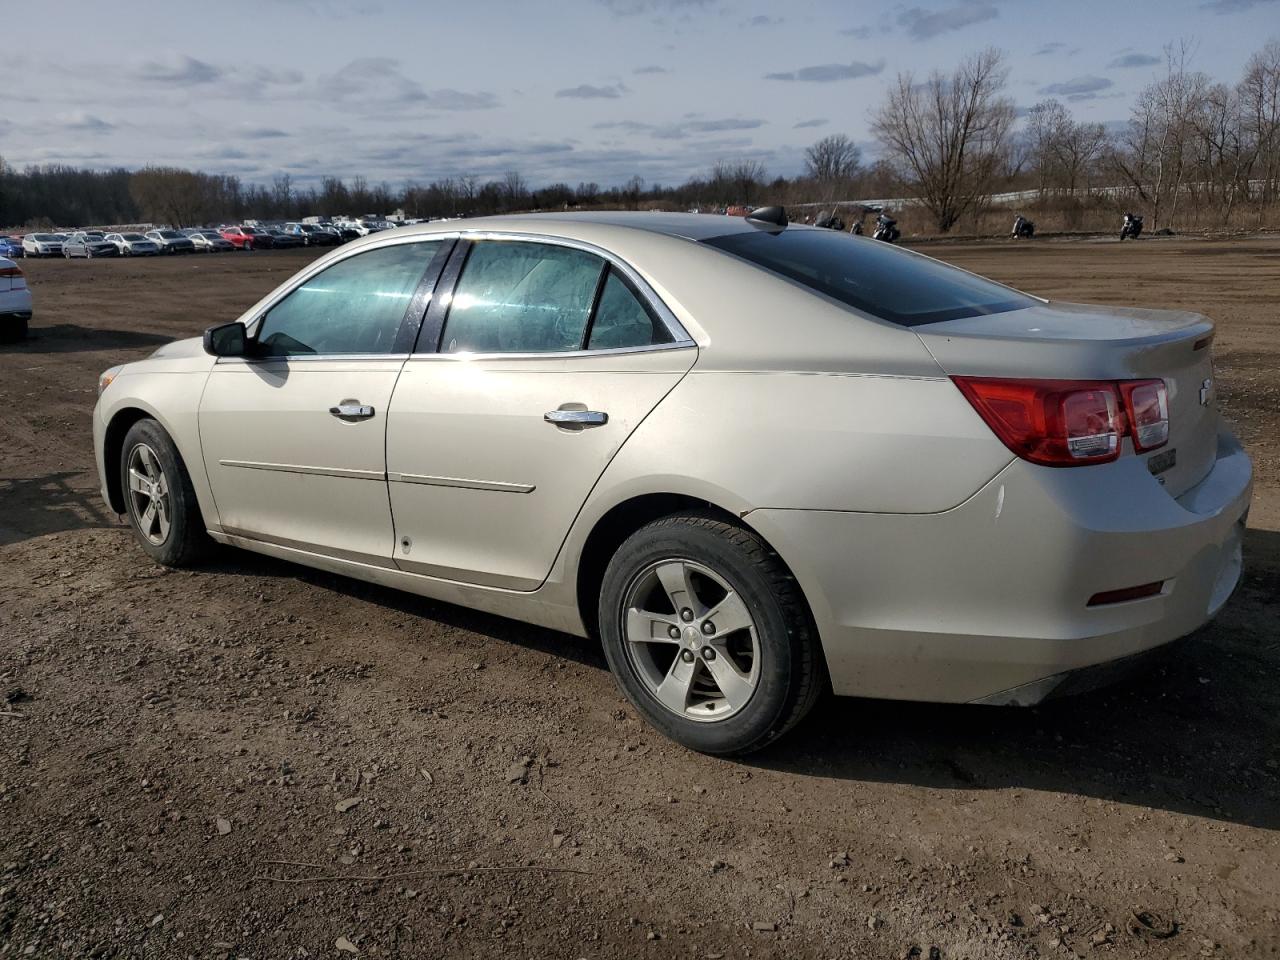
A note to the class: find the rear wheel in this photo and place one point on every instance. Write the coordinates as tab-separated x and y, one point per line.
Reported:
708	634
159	499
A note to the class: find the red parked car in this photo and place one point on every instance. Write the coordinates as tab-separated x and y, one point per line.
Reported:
246	238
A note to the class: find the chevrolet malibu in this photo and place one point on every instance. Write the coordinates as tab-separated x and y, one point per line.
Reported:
755	460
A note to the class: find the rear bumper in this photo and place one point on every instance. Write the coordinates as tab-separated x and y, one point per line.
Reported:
988	601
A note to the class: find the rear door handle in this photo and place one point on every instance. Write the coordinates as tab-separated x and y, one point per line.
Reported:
578	418
352	410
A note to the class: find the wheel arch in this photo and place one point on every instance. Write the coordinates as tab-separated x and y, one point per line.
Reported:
113	448
624	518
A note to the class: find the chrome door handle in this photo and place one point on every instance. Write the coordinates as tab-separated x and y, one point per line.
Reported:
352	410
578	418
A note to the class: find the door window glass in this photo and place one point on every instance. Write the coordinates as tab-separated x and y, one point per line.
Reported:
353	307
518	297
623	320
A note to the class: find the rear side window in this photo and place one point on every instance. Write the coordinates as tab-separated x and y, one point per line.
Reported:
622	319
519	297
872	276
352	307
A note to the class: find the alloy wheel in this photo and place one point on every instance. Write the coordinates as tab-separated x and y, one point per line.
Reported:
149	494
691	640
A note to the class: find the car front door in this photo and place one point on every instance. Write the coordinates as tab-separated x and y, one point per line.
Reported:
293	435
527	381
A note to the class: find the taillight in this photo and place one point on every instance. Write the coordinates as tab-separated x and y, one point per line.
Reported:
10	271
1067	423
1146	404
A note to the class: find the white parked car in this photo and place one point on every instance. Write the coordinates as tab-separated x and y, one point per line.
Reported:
42	244
15	302
133	244
755	460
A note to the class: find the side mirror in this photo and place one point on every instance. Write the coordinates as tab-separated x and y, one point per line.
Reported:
226	340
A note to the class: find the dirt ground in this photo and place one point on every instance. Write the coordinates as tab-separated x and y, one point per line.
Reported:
180	751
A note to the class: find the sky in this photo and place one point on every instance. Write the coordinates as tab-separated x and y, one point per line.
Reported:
574	90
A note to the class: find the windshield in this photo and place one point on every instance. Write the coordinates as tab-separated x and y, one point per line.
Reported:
134	236
873	276
46	238
170	234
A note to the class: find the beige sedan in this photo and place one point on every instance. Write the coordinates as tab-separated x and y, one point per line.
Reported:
756	460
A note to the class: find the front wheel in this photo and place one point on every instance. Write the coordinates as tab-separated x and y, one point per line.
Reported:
708	635
159	499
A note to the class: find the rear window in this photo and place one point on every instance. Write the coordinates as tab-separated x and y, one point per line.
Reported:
872	276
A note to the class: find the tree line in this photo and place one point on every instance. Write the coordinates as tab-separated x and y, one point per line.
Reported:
950	140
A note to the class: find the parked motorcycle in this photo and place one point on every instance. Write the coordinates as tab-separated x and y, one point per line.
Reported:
1132	226
830	220
1023	229
886	229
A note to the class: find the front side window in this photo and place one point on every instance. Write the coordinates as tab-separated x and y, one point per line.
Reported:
353	307
520	297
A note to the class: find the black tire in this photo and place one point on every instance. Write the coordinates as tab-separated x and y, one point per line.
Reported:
13	331
187	541
792	673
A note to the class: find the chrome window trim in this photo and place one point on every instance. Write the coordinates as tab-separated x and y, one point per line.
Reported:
558	355
315	358
680	337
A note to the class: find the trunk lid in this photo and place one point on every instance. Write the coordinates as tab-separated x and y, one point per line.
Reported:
1070	341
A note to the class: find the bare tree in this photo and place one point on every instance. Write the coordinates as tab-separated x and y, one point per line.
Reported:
1154	154
515	189
1259	94
833	159
949	135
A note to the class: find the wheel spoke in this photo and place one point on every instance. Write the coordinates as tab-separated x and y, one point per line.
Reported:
162	514
733	683
674	577
148	519
674	689
729	615
646	627
148	461
139	483
162	486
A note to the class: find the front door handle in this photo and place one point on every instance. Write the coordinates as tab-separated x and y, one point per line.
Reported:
352	410
576	418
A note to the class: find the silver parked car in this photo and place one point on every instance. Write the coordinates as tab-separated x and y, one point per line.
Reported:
171	241
88	244
133	244
756	460
209	241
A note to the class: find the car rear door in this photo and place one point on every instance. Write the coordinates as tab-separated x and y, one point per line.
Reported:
531	372
294	436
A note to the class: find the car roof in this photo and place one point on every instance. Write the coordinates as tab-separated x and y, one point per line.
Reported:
687	226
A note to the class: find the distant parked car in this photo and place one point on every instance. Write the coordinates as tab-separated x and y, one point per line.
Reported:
281	240
171	241
42	244
248	238
312	234
133	244
11	247
210	241
15	302
89	245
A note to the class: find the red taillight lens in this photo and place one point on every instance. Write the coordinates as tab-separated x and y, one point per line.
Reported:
10	271
1146	403
1057	423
